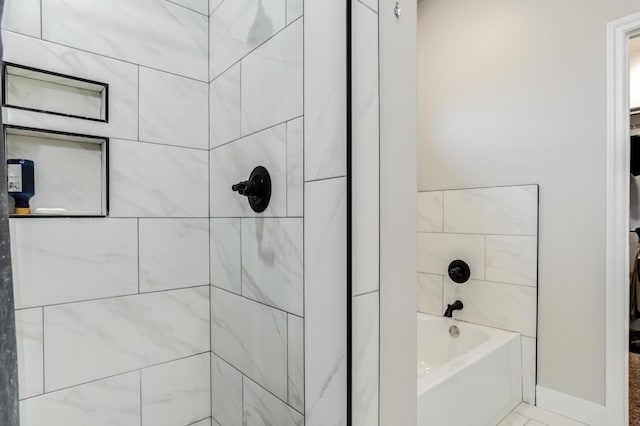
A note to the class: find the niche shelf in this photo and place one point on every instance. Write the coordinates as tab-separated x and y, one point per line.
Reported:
48	92
71	171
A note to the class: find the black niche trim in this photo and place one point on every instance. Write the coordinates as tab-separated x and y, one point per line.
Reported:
349	125
44	111
6	127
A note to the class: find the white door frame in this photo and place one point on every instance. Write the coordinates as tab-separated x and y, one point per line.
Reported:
617	238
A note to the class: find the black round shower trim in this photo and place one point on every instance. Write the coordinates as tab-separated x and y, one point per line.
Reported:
257	189
459	271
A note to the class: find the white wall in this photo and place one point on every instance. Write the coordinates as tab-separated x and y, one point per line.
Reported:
512	93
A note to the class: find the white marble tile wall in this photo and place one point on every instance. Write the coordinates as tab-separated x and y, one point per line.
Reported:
173	109
89	340
60	261
177	393
174	253
149	180
107	402
156	34
495	231
365	169
22	16
280	62
29	334
325	302
120	296
238	27
256	268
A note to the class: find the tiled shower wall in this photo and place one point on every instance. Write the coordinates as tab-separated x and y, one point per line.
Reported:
113	313
366	218
277	98
495	231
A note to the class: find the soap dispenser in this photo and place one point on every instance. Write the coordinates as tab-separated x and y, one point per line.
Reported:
21	183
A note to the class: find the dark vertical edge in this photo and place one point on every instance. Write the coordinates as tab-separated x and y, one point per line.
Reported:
349	214
9	415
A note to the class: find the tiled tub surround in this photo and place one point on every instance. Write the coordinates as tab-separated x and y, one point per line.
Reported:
495	231
114	314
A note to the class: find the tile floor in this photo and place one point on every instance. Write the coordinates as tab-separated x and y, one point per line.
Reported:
525	414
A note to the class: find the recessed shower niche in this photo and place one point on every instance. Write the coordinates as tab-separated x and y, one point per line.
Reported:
70	172
38	90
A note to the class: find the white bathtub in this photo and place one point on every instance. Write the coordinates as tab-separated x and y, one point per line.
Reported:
472	380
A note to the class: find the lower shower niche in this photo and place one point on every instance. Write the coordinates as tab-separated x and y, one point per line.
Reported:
56	174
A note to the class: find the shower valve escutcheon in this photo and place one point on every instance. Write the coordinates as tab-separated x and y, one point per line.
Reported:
257	189
459	271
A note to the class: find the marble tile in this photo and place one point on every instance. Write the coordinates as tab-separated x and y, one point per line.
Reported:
108	402
272	269
78	259
205	422
529	370
373	4
536	423
233	163
77	190
177	393
122	78
225	107
366	149
22	16
366	340
512	259
226	266
510	307
514	419
295	167
295	363
238	27
272	81
262	408
200	6
294	10
149	180
430	289
213	5
325	90
511	210
89	340
174	253
544	417
173	110
325	312
436	251
226	393
156	34
430	211
251	337
29	335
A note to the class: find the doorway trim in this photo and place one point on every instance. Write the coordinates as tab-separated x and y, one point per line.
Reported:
617	223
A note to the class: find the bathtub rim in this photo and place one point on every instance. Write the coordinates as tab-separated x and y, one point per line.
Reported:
497	339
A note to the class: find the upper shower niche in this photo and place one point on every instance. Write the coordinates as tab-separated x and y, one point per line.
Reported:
38	90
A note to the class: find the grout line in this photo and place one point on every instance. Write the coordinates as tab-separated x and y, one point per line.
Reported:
139	141
206	15
217	7
256	301
138	241
325	179
116	375
271	127
256	48
367	6
43	355
104	56
118	296
140	395
287	351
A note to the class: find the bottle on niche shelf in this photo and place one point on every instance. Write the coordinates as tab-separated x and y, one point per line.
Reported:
21	183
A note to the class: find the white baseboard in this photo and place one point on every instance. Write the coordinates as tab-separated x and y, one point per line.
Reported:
569	406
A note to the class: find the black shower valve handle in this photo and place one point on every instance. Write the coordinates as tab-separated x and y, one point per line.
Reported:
247	188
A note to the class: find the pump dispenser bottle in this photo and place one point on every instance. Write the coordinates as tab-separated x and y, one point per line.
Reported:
21	183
